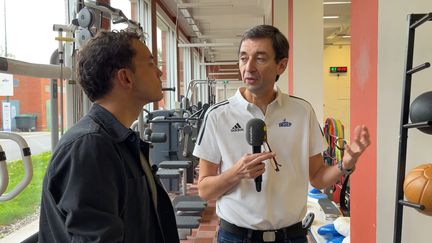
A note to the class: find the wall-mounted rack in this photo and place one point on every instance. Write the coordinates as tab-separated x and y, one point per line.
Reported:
414	21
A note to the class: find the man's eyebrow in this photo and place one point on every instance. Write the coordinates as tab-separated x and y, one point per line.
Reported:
261	53
256	53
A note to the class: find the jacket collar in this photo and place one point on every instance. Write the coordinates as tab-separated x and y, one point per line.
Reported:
110	124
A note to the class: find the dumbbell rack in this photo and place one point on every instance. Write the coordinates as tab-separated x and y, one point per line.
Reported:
415	20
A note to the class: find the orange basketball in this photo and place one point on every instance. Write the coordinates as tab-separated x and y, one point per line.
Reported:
418	187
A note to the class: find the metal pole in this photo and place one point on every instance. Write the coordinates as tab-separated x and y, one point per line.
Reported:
54	104
61	62
4	7
5	34
403	134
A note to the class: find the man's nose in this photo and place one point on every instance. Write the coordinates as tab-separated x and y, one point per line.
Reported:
251	65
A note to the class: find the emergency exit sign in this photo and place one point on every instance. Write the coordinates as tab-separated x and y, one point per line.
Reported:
338	69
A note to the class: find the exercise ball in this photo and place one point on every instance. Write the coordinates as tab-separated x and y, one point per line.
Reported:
418	187
421	110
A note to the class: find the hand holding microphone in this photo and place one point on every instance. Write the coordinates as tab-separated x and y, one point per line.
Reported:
255	136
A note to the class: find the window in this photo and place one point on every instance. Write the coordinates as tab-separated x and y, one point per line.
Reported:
26	34
125	7
181	70
144	14
30	43
185	69
166	61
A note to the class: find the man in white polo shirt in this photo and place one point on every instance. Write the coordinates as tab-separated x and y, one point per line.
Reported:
228	168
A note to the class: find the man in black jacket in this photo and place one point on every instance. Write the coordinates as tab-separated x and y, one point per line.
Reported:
99	186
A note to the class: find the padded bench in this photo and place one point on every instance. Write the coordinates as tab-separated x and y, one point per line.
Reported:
168	175
188	198
180	165
185	224
188	222
189	205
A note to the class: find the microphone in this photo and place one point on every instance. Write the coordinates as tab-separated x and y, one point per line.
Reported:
255	136
168	89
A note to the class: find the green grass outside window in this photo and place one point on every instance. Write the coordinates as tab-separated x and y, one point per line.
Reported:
28	200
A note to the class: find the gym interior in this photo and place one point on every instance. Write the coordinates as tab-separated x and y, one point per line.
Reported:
356	62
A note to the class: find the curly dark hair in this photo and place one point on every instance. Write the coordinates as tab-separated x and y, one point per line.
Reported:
101	56
280	42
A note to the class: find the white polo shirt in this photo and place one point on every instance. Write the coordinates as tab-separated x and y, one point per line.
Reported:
294	135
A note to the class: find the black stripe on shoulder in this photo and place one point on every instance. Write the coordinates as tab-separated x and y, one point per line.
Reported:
212	108
218	104
295	97
223	102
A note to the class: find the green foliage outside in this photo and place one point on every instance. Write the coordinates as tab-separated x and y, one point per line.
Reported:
28	200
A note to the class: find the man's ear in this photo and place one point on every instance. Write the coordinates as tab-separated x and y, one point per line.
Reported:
282	65
124	77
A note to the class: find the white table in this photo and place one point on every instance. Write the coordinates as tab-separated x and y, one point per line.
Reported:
320	219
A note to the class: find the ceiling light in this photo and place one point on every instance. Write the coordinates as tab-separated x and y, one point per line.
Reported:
330	17
205	5
195	27
190	20
185	13
331	3
346	36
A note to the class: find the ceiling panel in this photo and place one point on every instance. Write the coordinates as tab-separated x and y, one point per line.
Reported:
223	21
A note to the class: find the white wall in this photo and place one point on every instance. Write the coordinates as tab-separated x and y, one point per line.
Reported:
281	22
308	49
337	86
392	43
308	53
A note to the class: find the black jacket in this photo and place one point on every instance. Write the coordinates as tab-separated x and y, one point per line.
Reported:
95	189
